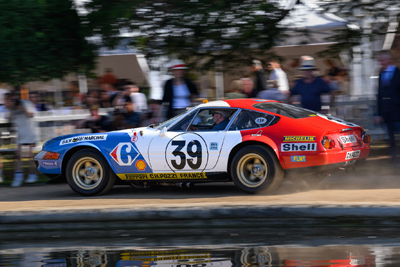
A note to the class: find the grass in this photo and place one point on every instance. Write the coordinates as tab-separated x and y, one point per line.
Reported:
8	171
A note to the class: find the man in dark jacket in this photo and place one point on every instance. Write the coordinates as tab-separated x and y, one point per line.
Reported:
388	100
178	91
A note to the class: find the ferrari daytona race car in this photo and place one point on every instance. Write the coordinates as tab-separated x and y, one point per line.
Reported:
253	142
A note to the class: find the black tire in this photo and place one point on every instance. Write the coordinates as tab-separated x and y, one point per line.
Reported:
255	168
89	174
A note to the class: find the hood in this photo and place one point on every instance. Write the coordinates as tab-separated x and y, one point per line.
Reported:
51	141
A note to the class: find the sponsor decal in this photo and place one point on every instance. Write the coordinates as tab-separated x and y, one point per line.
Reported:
162	176
298	158
214	146
98	137
261	120
47	163
124	154
155	252
187	151
259	100
134	137
168	258
257	134
298	147
140	165
348	139
353	154
299	138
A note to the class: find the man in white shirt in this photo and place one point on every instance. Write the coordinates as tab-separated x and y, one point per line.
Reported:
279	76
139	100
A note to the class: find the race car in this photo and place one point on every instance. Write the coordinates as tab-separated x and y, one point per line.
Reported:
254	143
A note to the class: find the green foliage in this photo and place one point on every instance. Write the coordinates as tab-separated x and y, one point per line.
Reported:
40	40
371	17
234	31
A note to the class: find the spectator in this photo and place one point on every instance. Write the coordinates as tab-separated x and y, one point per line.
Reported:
178	91
138	99
35	99
235	90
104	100
108	77
310	87
247	85
96	122
332	70
272	93
5	114
21	114
74	97
279	76
92	98
131	118
388	101
260	83
111	91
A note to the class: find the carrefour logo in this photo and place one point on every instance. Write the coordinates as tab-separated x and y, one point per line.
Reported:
124	154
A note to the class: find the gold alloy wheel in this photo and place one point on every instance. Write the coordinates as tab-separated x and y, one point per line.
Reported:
252	170
87	173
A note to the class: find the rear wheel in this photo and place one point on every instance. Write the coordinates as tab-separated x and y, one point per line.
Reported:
255	168
88	173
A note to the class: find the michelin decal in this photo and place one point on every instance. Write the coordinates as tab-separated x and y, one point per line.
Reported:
97	137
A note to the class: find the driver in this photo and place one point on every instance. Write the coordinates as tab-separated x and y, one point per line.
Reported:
221	119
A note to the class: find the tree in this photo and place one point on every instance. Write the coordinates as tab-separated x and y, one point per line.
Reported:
368	20
41	40
232	31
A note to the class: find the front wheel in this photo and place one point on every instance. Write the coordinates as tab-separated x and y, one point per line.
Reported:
255	168
88	173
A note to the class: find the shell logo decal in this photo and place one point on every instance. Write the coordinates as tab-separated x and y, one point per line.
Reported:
140	165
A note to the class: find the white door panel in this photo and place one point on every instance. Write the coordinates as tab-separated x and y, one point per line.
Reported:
232	138
186	152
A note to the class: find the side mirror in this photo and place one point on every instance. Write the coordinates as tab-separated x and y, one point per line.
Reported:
163	132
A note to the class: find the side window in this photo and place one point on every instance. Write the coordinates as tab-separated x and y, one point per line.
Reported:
250	120
183	124
261	119
212	119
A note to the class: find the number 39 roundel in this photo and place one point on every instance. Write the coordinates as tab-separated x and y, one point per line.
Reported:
187	151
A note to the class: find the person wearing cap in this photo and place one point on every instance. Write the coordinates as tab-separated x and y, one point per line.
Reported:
178	91
310	87
221	119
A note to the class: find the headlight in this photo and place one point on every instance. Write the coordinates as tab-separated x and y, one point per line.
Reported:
47	155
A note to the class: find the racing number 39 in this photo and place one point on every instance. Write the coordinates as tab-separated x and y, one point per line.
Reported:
193	149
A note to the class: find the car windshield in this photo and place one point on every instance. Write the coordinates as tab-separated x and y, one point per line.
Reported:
286	110
171	121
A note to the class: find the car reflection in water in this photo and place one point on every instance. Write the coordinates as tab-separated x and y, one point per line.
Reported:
338	256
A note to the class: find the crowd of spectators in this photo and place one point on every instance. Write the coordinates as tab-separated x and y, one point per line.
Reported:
301	77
